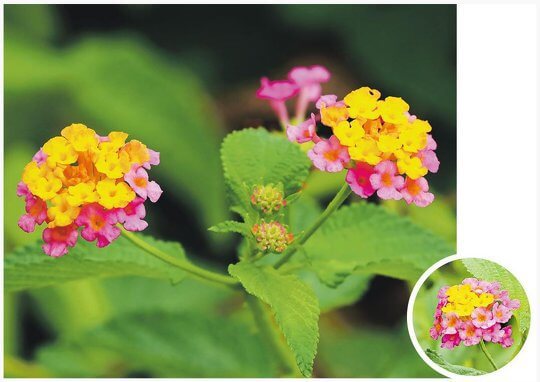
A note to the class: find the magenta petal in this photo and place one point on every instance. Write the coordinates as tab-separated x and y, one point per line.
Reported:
40	157
154	191
54	249
326	101
22	189
358	179
27	223
304	76
424	199
107	236
277	90
88	234
388	193
133	223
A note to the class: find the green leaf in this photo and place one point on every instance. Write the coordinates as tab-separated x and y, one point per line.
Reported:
76	306
345	294
165	345
294	305
293	197
490	271
28	267
332	291
367	239
456	369
230	226
334	273
439	217
257	156
303	213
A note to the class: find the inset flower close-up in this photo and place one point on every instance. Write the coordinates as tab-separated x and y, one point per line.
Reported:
470	316
473	311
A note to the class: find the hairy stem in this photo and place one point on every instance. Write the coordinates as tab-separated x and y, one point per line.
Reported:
488	356
181	263
272	336
334	204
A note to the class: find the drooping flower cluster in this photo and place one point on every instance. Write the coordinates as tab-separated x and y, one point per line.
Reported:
80	180
472	311
302	81
384	148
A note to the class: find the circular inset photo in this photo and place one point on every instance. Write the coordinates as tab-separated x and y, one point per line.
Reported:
468	317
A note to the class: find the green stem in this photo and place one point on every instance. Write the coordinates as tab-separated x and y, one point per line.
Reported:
488	356
334	204
181	263
272	336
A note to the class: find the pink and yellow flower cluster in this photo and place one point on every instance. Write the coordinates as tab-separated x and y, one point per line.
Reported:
384	148
472	311
82	181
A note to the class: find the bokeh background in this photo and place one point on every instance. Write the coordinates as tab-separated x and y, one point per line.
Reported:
180	78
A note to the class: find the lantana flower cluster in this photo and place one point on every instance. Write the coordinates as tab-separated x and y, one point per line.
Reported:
385	149
472	311
80	181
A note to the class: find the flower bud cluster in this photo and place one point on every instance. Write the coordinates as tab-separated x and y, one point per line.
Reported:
272	236
268	198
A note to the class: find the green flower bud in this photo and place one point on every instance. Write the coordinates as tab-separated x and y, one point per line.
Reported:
272	237
268	198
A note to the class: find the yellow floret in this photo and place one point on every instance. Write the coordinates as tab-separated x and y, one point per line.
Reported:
81	137
32	172
114	195
413	140
412	166
420	125
349	133
46	188
114	166
388	143
61	213
366	150
137	151
59	151
393	109
82	193
485	299
331	116
363	103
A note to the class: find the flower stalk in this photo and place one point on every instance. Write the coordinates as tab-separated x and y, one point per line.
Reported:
334	204
184	265
488	356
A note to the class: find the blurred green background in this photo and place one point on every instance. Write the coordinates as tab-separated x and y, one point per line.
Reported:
180	78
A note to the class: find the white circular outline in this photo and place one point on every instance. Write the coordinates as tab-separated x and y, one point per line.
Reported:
410	324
